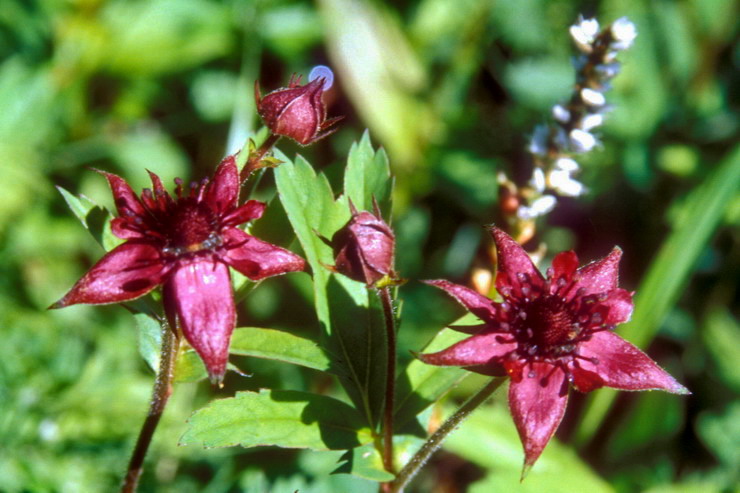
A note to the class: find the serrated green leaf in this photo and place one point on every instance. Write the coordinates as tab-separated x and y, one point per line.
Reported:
150	339
670	271
278	345
94	218
366	461
421	384
190	368
367	175
80	206
284	418
350	317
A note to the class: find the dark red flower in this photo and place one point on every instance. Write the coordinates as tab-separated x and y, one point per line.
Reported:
184	244
549	333
364	247
296	111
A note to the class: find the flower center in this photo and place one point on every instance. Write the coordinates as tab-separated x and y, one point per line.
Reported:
548	327
192	227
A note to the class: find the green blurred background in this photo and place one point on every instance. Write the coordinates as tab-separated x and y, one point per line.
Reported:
452	91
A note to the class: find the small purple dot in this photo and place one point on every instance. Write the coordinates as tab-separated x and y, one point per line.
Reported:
322	71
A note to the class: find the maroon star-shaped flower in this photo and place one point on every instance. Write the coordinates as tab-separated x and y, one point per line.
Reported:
185	244
549	333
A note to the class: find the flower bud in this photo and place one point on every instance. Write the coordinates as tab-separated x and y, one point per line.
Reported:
296	111
363	248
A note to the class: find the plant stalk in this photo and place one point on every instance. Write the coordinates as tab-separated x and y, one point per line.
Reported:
254	162
435	441
390	383
160	395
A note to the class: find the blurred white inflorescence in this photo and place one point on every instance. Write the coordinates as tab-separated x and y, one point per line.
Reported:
553	146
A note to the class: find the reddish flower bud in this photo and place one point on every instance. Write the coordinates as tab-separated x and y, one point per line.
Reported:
363	248
296	111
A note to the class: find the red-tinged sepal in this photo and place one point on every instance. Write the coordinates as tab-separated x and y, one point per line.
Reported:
620	365
537	402
200	294
476	303
223	192
600	276
127	272
258	259
482	349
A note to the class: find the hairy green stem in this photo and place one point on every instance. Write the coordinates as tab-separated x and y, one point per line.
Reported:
254	162
390	329
160	395
435	441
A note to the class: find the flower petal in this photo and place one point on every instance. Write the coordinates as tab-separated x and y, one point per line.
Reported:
600	276
477	350
564	265
621	365
222	193
252	209
620	306
200	292
481	306
127	203
537	402
255	258
514	265
126	229
160	198
128	271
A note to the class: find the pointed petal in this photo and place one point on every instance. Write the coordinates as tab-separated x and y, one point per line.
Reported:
620	306
565	265
252	209
513	262
537	402
201	294
127	203
160	195
257	259
481	306
600	276
128	271
473	351
223	192
621	365
126	229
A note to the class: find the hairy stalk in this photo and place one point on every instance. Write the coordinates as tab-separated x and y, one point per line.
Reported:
435	441
390	328
254	162
160	395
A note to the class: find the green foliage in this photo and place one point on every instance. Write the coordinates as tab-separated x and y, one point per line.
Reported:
278	345
351	320
452	91
488	438
695	220
284	418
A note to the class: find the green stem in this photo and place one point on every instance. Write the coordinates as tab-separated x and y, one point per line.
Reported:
435	441
160	395
390	329
254	162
